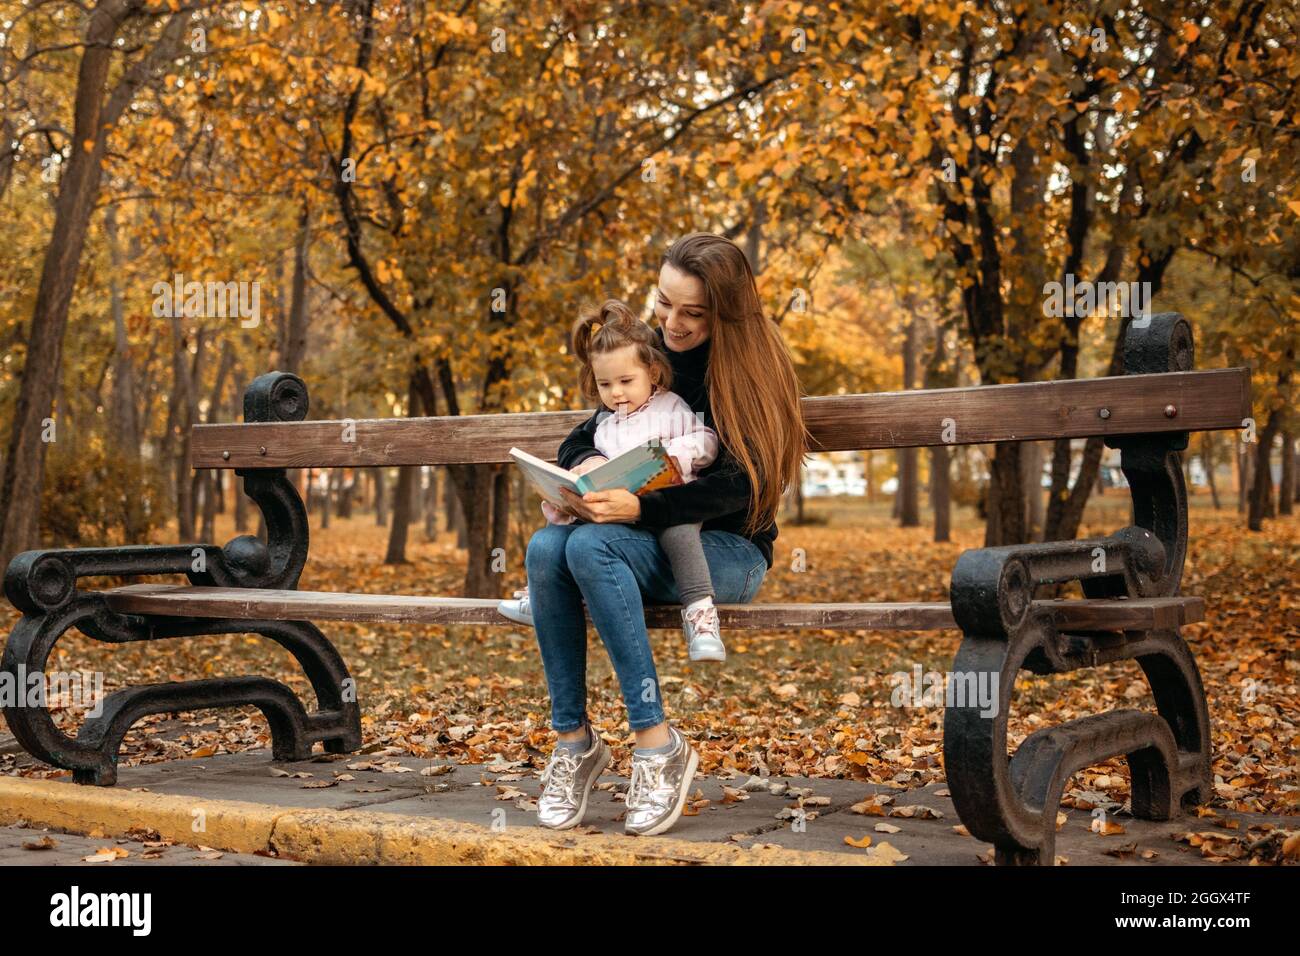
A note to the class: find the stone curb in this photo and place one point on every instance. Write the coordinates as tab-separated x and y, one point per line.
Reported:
361	837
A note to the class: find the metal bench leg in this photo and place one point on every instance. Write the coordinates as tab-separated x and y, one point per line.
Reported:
1012	800
43	585
92	755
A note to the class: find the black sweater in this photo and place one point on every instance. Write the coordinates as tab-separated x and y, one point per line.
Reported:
719	497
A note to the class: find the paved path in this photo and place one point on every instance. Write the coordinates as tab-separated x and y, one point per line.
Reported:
501	799
36	846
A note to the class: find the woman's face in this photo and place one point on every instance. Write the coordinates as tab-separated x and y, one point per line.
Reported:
681	309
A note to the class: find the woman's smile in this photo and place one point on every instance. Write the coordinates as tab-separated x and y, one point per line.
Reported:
679	306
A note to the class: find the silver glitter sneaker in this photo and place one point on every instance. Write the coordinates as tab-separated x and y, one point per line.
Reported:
567	782
518	610
660	785
703	635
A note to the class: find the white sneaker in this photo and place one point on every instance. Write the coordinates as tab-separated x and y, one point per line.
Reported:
660	787
519	610
567	782
703	634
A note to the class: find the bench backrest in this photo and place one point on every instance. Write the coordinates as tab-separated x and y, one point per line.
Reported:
1077	408
1160	392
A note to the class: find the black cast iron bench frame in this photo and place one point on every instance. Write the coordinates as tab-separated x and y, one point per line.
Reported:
1130	580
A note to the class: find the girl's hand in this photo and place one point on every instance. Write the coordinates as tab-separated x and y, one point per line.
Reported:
555	514
616	506
588	464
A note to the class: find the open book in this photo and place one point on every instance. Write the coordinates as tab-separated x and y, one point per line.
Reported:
640	469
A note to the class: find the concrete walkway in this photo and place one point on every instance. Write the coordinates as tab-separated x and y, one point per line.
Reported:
388	808
37	846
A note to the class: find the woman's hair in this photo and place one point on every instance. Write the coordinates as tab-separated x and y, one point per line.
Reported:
612	327
752	386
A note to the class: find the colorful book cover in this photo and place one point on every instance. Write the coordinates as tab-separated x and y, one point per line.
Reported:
645	468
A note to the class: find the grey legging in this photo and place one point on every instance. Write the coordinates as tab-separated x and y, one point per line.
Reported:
681	543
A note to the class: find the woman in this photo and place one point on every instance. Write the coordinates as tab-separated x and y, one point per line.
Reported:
732	367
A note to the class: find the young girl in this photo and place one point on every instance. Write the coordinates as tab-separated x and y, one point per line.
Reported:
623	366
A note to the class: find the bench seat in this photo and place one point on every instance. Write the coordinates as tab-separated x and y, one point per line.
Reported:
253	604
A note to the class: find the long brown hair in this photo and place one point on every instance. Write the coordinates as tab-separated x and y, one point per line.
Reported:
608	328
753	389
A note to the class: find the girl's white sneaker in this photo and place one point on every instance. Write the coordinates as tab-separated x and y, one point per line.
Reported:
703	634
518	610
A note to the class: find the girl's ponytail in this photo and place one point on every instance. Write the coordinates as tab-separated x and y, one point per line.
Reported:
608	328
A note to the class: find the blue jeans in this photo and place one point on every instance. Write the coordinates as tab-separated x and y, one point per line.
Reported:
612	567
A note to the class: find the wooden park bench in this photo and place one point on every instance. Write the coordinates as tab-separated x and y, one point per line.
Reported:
1130	581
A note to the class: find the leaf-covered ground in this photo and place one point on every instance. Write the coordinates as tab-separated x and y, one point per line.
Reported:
788	703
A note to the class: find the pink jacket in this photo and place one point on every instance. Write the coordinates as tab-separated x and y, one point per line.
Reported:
664	417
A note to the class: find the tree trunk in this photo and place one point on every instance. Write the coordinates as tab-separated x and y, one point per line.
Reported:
909	511
431	507
347	486
991	513
207	483
237	483
940	492
338	478
1261	489
294	339
500	523
1286	493
126	422
185	407
1296	464
93	115
938	374
1245	474
1006	498
417	496
1207	459
455	518
1031	475
381	504
1261	498
474	486
402	493
396	553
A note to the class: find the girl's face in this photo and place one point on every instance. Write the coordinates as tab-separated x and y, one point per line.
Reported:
624	383
681	309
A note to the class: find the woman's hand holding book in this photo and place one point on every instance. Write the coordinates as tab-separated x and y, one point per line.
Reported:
556	513
615	506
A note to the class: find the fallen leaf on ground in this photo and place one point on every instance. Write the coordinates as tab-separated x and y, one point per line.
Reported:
887	852
106	854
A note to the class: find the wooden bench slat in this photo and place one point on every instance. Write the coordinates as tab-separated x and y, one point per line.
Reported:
1205	400
259	604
